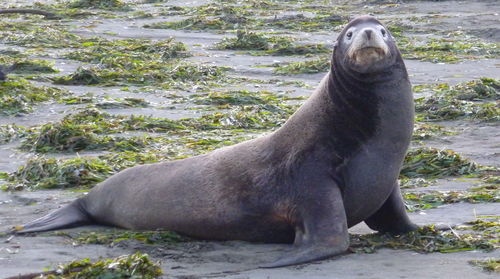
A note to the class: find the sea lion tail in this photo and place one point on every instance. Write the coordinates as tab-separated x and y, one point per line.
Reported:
72	215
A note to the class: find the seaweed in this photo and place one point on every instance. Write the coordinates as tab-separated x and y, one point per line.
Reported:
245	40
201	22
11	132
67	137
426	239
113	237
275	45
98	4
244	117
490	265
426	200
236	97
150	73
83	172
424	131
312	66
299	22
89	129
18	95
30	66
127	102
82	76
451	49
42	173
38	35
405	182
133	266
75	100
126	52
434	163
476	99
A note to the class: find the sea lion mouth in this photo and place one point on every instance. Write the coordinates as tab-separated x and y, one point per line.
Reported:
368	55
372	48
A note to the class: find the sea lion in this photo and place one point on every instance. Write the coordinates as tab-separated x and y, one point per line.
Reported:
333	164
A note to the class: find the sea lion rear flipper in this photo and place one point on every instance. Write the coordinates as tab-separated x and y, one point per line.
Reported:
71	215
323	232
391	217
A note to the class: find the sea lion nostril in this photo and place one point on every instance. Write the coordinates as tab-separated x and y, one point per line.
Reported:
368	33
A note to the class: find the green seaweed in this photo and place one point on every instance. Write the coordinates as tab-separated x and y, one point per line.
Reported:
312	66
481	89
135	61
299	22
11	132
89	130
112	237
135	266
245	117
86	98
235	97
488	191
245	40
426	200
98	4
202	23
426	239
405	182
67	137
220	9
434	163
104	123
18	95
275	45
167	75
27	66
127	102
82	76
490	265
424	131
228	17
476	99
241	117
84	172
46	173
38	35
126	52
482	226
449	49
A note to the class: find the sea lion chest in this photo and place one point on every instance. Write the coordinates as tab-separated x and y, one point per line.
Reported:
370	175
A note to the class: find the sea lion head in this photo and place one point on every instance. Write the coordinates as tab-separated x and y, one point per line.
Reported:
366	46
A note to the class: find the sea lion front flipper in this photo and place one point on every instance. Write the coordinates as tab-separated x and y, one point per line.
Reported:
392	217
323	232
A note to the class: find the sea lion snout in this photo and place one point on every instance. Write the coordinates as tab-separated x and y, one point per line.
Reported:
368	33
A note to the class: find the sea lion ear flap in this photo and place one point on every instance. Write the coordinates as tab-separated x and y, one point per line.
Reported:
335	45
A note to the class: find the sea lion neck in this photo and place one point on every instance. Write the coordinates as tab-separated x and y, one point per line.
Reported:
339	116
354	108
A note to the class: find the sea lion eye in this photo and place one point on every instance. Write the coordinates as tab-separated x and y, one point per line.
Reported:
383	32
349	34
